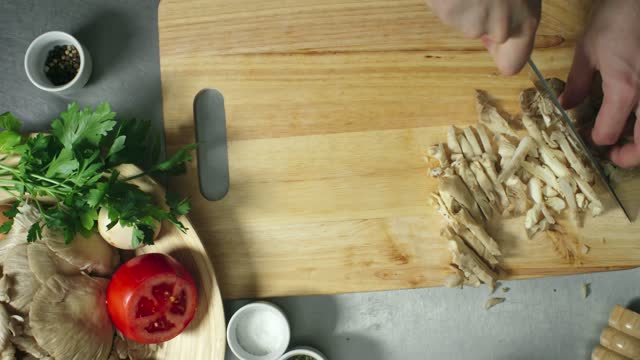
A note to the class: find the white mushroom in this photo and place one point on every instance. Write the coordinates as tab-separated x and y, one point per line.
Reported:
23	283
489	116
523	148
484	139
90	254
462	169
73	306
473	141
452	141
119	236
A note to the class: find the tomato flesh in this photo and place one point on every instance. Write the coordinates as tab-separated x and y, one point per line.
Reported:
151	298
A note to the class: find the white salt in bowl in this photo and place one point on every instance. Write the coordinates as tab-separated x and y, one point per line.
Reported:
258	331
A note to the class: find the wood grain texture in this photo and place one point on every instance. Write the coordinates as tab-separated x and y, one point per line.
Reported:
330	108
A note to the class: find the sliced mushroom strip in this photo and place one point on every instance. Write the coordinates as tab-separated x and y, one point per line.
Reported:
517	192
467	151
543	173
462	217
525	145
462	169
596	205
489	167
535	191
489	116
484	182
473	141
453	187
452	141
566	189
556	203
484	139
533	129
552	160
573	160
528	102
468	261
438	152
72	305
472	240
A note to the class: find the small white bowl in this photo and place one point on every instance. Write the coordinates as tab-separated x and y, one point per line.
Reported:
304	350
258	331
36	56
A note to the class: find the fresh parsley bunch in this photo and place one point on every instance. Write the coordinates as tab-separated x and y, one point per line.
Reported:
74	168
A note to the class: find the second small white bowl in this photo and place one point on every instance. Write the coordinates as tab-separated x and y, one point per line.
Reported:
304	350
35	58
258	331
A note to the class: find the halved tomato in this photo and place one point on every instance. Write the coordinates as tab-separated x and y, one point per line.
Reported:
151	298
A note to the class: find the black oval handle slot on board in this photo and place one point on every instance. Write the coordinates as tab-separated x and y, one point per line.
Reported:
211	135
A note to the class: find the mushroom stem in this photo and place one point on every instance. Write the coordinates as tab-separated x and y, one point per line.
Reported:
525	145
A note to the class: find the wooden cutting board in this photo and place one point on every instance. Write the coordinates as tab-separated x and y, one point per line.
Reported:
330	108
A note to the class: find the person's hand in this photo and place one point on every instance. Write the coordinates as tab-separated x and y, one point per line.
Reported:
507	27
610	44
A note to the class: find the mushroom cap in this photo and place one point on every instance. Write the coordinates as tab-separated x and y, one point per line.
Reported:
4	327
23	284
90	254
18	235
44	263
69	318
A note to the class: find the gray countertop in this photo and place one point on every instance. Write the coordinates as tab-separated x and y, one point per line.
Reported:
541	319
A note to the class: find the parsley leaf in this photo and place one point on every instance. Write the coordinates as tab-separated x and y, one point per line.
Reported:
6	227
96	194
178	205
117	146
35	232
9	140
76	126
63	165
9	122
12	211
177	163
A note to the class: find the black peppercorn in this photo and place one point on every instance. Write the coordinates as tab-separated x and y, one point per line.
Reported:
62	64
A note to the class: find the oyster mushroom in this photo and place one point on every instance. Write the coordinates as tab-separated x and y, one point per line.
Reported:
526	144
452	141
484	182
4	327
4	289
437	152
29	345
73	306
462	169
506	149
556	203
27	216
90	254
571	156
489	167
462	217
595	203
484	139
529	102
533	129
453	187
489	116
517	192
473	141
23	283
468	261
535	191
567	191
8	352
44	263
467	151
472	240
543	173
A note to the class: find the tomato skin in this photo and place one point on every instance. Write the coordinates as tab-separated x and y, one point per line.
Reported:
132	280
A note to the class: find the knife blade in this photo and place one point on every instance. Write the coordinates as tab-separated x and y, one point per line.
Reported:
541	84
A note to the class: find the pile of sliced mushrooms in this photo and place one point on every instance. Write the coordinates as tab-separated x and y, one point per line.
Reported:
490	171
52	297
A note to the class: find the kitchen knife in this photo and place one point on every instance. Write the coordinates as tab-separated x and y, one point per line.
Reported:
543	88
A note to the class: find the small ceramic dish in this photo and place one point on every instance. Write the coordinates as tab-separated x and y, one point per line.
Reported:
303	351
36	57
258	331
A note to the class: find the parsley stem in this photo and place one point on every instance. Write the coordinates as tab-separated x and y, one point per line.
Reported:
8	168
51	181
